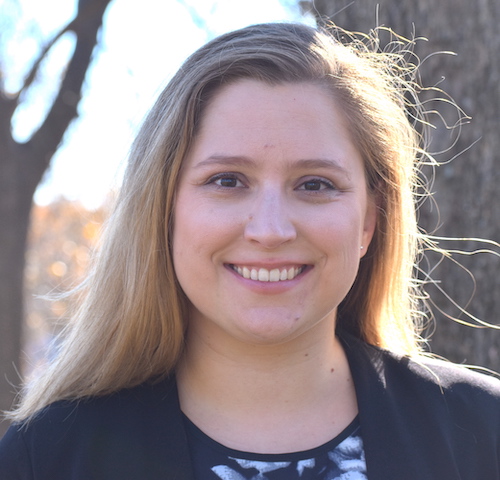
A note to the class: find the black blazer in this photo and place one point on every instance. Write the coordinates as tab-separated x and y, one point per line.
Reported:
419	421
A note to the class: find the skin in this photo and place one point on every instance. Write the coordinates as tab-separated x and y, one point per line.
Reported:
273	184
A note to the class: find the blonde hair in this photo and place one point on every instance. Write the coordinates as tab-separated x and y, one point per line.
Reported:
129	327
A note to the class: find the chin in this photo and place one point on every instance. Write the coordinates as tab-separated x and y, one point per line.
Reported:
275	329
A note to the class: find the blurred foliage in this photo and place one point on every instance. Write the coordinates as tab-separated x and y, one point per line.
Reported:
61	239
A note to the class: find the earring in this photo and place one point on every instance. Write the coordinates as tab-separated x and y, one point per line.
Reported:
361	247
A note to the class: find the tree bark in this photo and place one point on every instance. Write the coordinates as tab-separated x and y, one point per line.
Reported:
466	189
21	169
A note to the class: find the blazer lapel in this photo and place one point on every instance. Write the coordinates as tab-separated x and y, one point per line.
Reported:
401	417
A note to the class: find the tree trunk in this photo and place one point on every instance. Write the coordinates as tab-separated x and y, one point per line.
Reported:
466	189
14	219
21	169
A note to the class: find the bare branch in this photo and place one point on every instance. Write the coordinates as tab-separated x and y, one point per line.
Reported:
85	26
198	20
36	65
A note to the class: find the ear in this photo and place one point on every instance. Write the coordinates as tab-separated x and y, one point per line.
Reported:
369	224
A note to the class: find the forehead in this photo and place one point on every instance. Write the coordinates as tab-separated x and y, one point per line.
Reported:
250	118
254	101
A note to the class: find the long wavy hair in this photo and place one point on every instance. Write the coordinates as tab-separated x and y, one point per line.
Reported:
130	324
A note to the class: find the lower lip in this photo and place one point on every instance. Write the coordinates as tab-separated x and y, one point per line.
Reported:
271	288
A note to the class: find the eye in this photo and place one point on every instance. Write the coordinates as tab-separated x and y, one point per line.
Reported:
225	180
316	184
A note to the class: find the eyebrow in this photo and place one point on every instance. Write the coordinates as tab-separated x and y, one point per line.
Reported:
237	161
306	163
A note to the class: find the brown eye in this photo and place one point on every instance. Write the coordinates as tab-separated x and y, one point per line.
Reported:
228	182
317	184
312	185
225	180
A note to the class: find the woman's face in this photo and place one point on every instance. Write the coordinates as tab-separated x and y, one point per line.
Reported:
271	213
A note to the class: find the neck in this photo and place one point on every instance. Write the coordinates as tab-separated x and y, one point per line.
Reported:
264	390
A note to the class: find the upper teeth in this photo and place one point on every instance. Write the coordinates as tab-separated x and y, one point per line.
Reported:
265	275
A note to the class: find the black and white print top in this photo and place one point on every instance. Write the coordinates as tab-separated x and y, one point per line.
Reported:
339	459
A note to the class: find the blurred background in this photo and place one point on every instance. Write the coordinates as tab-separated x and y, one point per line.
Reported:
77	77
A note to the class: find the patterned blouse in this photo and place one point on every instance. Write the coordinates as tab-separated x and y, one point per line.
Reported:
339	459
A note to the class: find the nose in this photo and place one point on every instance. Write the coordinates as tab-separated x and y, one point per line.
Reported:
269	222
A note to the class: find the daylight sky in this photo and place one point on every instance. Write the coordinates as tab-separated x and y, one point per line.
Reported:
142	45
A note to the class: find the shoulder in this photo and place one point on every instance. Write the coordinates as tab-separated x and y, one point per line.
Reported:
467	397
136	405
422	369
455	383
436	418
429	382
106	434
451	377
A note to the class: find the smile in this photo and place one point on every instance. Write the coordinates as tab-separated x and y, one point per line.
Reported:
265	275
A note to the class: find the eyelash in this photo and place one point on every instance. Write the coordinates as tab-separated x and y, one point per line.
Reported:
328	185
223	176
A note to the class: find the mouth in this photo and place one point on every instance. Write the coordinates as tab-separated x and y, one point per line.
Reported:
265	275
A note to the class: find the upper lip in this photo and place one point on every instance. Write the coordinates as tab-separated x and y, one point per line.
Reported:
268	265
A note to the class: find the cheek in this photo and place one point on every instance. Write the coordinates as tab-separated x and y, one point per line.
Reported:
184	236
191	219
339	227
200	231
340	238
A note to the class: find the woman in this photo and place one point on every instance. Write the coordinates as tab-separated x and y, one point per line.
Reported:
251	313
